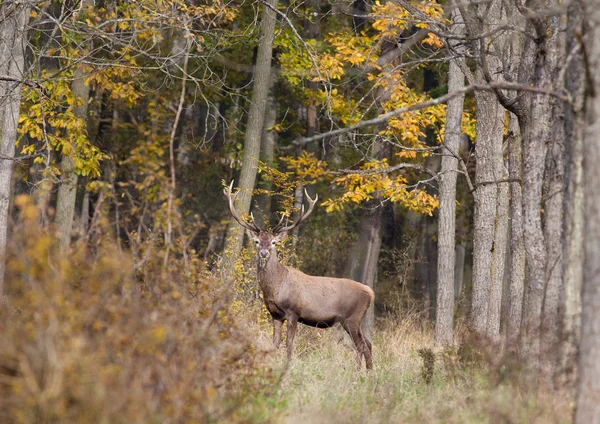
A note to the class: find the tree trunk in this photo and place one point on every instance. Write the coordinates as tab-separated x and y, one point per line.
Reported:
490	125
67	190
459	269
363	259
447	218
572	235
535	130
498	256
254	128
553	214
13	21
588	390
517	248
267	153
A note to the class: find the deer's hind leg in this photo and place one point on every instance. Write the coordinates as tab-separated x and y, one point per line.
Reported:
368	349
359	342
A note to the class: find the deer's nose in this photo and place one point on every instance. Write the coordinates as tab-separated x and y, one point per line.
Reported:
264	253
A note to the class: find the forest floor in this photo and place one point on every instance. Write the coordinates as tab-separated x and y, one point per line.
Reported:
322	384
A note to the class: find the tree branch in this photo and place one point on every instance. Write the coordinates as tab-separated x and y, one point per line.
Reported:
433	102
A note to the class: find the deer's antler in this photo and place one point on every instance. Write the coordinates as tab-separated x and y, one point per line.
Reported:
231	198
280	228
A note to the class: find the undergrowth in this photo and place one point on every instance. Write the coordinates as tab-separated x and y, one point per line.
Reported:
103	337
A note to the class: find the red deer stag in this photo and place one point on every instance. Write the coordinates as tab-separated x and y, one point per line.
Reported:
291	295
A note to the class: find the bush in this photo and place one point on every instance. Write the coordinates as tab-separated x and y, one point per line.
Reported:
87	339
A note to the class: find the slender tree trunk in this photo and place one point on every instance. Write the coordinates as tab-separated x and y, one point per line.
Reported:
362	262
572	235
588	390
498	256
459	269
254	128
13	21
517	248
447	218
267	152
67	190
553	215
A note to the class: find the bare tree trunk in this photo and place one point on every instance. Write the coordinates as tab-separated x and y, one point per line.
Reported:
553	213
535	131
572	235
13	21
488	148
267	152
588	390
498	257
459	269
362	262
517	248
254	128
447	218
67	190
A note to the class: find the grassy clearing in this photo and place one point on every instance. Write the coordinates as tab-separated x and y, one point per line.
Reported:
322	385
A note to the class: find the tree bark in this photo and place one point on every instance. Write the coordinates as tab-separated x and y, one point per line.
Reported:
572	235
488	148
588	390
498	256
267	152
553	215
254	128
13	21
535	130
517	248
447	215
67	190
363	259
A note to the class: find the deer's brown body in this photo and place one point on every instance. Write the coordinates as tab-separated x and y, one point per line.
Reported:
289	294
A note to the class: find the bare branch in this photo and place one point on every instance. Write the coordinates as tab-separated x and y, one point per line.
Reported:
433	102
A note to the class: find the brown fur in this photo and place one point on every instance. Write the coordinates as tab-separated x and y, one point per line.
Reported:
292	295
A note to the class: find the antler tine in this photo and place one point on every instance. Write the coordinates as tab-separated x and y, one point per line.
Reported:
303	215
231	198
279	224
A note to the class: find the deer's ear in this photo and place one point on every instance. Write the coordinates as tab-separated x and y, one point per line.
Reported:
252	235
280	237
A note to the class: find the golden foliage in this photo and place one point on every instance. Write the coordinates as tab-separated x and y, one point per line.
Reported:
92	338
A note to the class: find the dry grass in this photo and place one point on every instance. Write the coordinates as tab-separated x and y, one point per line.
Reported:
88	340
322	385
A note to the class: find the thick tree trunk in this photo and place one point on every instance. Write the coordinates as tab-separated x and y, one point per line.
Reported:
572	235
67	190
588	390
254	128
517	248
13	21
535	130
447	218
490	125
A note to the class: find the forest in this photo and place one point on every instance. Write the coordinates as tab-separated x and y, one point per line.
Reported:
441	154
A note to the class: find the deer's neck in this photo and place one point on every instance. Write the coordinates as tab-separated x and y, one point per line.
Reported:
271	277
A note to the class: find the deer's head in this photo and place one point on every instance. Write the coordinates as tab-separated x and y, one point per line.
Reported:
266	241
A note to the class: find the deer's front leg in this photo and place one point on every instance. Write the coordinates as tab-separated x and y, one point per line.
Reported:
277	332
292	323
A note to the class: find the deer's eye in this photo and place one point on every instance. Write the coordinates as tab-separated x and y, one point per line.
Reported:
273	243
